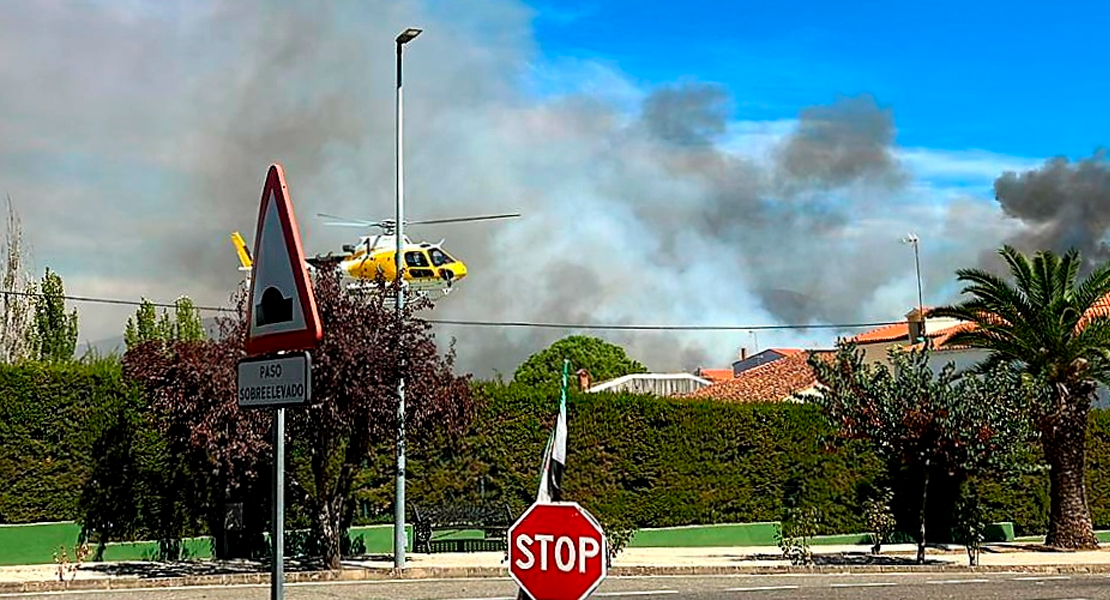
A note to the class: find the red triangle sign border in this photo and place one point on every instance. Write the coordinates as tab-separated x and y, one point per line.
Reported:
311	333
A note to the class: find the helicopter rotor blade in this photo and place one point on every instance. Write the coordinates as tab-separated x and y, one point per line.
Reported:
344	222
463	219
360	224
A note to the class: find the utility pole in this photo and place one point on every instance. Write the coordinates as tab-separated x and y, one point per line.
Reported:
399	537
915	241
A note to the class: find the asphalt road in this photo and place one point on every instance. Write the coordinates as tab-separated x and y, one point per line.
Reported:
882	586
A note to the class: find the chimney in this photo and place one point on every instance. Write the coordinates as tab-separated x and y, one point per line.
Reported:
583	380
915	319
743	353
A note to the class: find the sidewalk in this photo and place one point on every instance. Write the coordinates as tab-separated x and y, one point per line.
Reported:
633	561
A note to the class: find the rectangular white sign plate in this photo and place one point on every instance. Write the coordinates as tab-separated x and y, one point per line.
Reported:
282	380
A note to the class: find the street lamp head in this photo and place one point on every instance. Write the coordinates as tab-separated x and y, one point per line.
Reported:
911	238
408	35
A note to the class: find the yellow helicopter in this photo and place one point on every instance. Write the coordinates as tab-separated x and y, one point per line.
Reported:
428	267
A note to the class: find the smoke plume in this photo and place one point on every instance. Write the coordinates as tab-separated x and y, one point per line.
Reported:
139	138
1062	205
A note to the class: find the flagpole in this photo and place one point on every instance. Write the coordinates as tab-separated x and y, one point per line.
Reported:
563	392
547	490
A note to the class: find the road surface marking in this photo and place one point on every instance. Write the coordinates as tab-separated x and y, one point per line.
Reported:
640	593
764	588
288	584
944	581
1043	578
863	584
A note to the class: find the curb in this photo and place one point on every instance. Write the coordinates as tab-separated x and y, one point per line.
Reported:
384	574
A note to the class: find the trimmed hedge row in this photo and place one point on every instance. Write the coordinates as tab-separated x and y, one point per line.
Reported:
662	462
639	460
51	414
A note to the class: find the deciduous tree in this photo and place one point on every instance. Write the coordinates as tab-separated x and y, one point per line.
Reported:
603	361
932	423
146	325
17	306
355	372
55	329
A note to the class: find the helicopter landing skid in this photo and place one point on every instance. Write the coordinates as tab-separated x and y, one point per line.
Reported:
389	293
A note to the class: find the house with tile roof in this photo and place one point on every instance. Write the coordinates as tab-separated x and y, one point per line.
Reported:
911	334
655	384
908	335
713	375
760	358
779	380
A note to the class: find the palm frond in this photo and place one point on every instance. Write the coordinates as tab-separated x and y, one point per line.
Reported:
1093	288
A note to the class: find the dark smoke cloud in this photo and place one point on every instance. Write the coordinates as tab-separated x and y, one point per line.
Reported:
836	145
139	138
691	115
1063	205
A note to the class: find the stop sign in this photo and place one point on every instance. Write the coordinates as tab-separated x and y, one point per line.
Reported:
557	552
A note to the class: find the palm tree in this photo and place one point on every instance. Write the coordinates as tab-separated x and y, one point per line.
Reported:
1056	331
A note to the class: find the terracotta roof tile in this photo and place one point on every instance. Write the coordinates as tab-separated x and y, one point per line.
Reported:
1100	309
775	381
888	333
901	331
940	340
715	375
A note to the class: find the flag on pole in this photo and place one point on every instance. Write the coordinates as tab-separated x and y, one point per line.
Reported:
555	455
554	459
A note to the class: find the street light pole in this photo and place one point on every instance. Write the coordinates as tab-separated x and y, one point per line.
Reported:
399	538
914	240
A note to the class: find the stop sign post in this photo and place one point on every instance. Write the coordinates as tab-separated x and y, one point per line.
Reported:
557	552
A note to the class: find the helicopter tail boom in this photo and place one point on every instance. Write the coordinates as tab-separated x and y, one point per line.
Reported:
242	251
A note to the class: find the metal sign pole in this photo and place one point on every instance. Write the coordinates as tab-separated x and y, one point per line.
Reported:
277	576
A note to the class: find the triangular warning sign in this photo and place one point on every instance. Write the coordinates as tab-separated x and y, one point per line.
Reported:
281	309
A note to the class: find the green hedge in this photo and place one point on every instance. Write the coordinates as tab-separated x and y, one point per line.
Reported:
656	462
651	462
51	414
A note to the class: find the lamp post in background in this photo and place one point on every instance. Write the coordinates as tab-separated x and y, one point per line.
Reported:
912	239
399	538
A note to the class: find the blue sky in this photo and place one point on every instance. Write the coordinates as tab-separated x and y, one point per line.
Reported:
134	135
1022	79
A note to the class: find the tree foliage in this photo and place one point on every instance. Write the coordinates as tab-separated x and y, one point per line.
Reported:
55	329
17	306
603	360
1054	329
932	423
146	325
354	400
190	388
353	406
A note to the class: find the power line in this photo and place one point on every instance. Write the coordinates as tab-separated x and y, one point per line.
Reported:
540	325
508	324
118	301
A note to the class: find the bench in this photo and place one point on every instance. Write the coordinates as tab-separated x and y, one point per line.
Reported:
492	520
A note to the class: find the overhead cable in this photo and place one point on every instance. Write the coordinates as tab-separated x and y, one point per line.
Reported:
509	324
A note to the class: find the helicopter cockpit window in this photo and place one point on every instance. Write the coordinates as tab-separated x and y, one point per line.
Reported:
439	257
416	259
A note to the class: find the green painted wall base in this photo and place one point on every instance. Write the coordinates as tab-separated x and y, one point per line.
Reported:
731	534
999	532
38	542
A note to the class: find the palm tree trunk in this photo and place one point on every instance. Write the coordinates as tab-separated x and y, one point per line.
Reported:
1063	437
